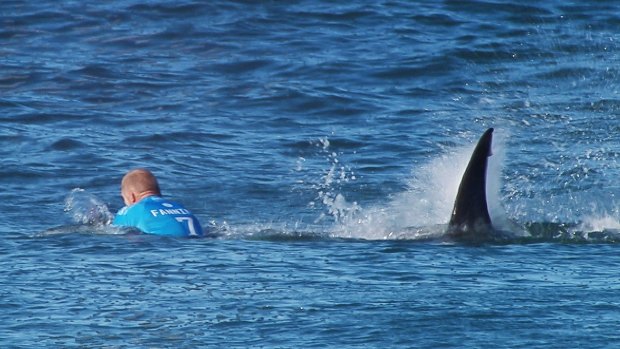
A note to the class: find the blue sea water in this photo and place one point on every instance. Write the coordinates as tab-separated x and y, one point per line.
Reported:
321	144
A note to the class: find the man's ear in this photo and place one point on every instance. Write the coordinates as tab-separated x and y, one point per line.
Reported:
134	198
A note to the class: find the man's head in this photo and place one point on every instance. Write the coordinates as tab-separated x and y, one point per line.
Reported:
138	184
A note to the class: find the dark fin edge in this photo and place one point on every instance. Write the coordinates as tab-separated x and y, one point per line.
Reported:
470	219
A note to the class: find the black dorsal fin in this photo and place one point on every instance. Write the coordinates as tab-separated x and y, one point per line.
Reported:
470	216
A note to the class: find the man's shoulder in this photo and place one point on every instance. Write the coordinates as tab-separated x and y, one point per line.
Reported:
160	202
123	211
125	216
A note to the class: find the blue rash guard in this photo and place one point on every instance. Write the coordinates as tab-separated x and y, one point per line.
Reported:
158	216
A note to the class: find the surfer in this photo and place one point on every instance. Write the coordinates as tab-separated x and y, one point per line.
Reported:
149	212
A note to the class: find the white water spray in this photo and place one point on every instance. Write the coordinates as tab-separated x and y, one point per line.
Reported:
328	187
85	208
429	200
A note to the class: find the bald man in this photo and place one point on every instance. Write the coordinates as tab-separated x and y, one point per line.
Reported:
146	209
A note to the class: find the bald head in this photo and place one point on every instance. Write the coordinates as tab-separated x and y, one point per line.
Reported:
138	184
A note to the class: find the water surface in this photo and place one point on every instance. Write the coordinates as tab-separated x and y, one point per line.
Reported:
319	141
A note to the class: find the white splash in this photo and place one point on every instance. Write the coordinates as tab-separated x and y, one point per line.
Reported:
598	223
85	208
328	187
428	202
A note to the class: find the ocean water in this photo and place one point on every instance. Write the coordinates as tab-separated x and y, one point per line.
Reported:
321	145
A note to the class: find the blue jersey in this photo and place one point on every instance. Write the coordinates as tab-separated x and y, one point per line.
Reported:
156	215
